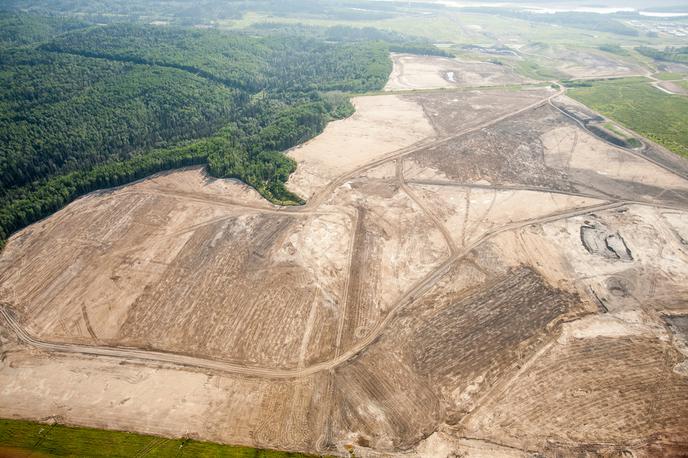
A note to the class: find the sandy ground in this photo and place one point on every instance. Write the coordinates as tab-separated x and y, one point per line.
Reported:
411	73
469	212
429	72
463	110
510	286
571	148
173	236
380	125
107	394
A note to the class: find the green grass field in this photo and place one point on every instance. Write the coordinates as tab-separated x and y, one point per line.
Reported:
532	69
24	438
669	76
637	105
461	27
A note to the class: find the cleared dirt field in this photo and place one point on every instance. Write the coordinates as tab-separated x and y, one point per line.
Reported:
380	125
582	62
474	274
470	211
178	272
452	114
619	369
546	150
430	72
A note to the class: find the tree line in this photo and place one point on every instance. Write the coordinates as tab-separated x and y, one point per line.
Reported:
100	106
668	54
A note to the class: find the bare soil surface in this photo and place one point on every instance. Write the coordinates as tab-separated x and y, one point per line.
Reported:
582	62
451	114
380	125
430	72
474	274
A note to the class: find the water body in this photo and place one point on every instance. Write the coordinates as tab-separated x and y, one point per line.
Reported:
564	9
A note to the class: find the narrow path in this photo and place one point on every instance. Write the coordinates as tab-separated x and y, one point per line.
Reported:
449	240
657	85
600	196
218	202
356	234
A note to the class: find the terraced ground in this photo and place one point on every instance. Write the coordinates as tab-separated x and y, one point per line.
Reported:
477	275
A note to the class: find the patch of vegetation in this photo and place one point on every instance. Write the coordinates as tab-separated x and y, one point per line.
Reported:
397	42
611	127
531	69
669	54
614	49
63	113
274	62
576	83
631	142
56	440
603	81
638	106
669	76
20	28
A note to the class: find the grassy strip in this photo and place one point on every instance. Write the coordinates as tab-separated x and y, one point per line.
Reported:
611	127
21	438
638	106
669	76
615	81
532	69
630	141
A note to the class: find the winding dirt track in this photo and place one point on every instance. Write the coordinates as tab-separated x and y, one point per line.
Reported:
225	366
181	360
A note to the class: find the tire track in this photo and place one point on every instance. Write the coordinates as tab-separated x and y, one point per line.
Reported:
355	245
181	360
449	240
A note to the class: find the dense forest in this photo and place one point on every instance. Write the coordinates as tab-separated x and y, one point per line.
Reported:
87	106
62	113
191	12
22	29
